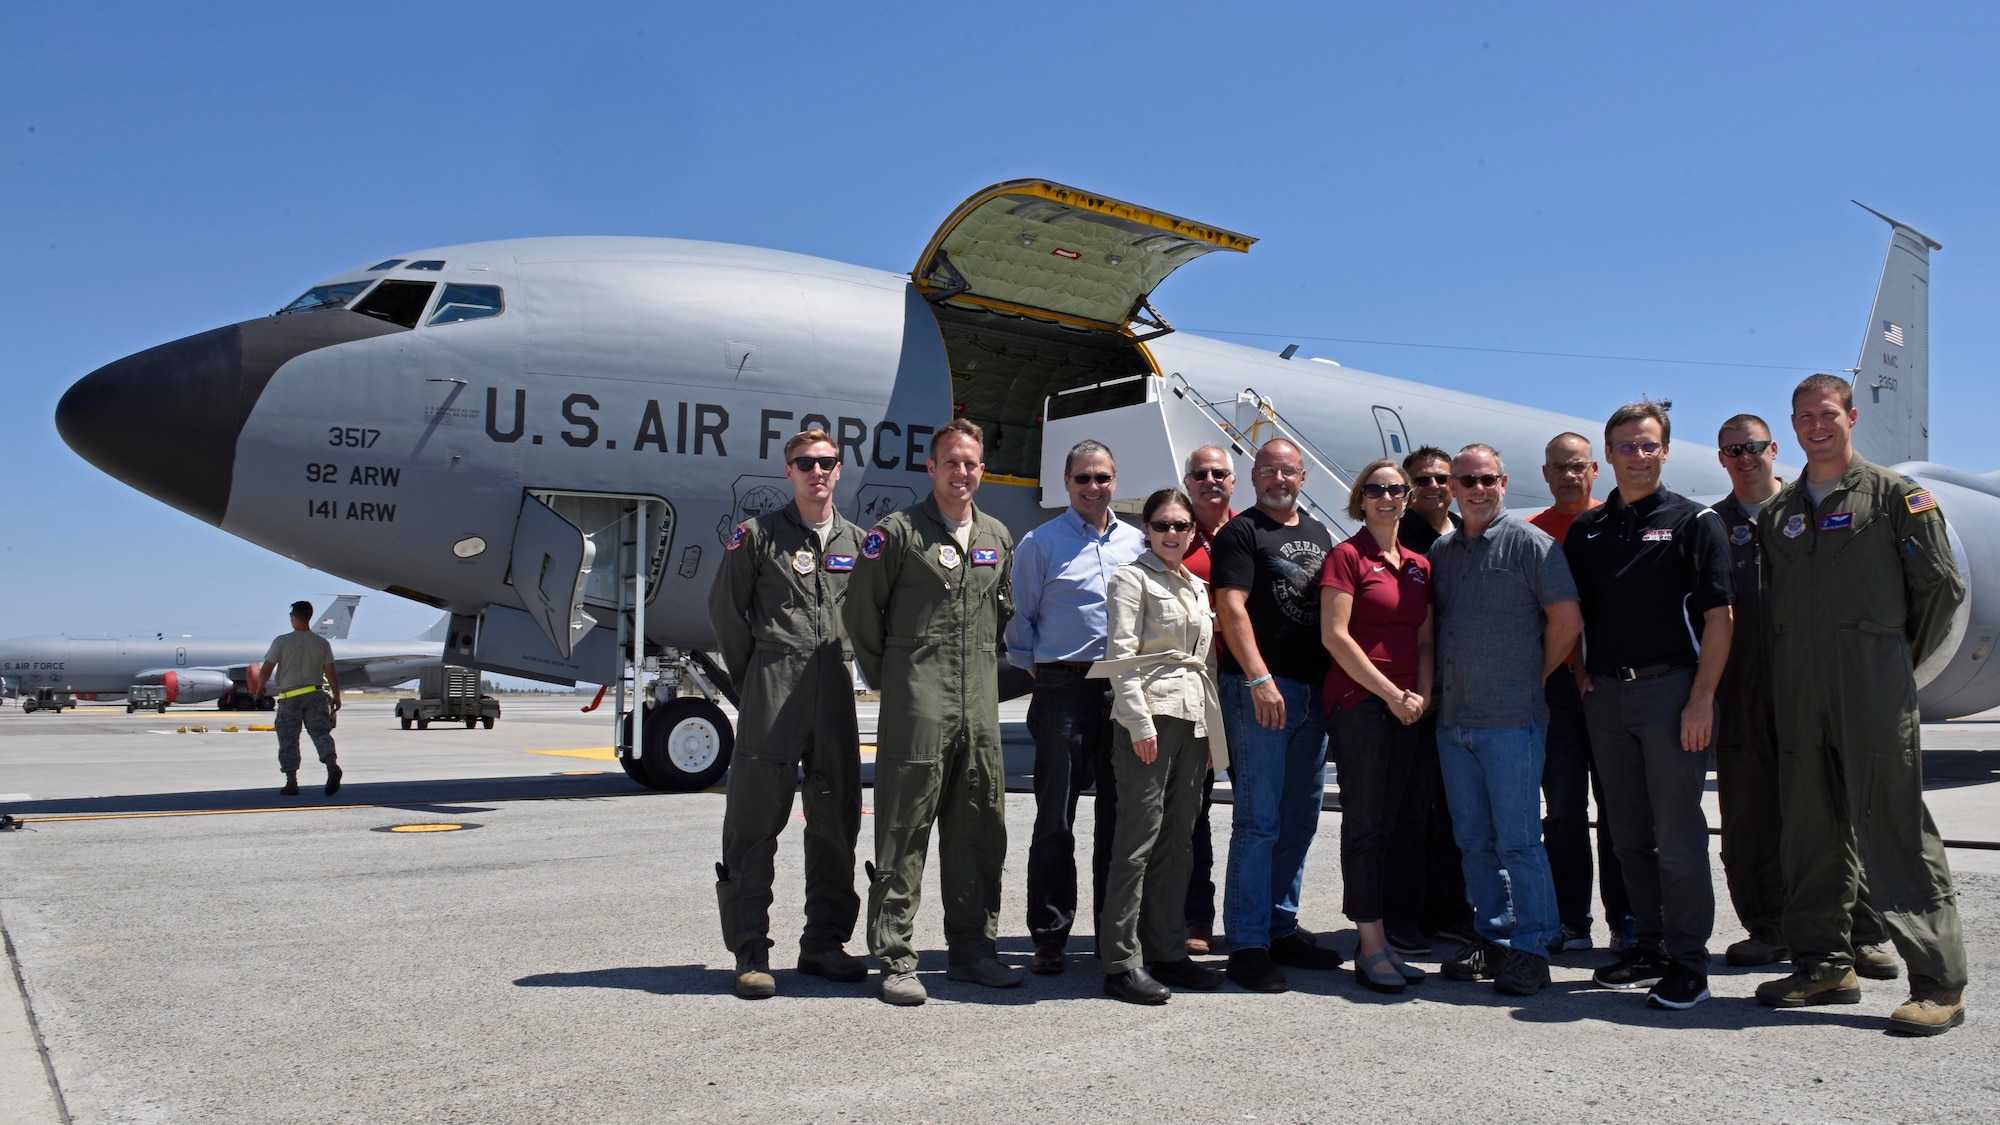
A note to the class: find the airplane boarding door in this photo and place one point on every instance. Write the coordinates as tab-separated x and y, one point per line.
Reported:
551	564
1395	442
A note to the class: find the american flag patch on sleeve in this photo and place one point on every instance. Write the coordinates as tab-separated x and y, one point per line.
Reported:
1921	501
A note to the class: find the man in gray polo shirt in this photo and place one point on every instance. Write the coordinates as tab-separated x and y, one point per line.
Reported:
1506	617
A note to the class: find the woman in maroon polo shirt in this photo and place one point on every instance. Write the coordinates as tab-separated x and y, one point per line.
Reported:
1375	618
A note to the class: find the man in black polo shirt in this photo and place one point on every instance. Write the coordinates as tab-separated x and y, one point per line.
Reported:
1653	572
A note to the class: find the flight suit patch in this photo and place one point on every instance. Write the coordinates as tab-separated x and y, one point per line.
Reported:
802	561
837	563
985	556
1740	534
871	547
1920	501
1795	527
736	537
1837	521
948	556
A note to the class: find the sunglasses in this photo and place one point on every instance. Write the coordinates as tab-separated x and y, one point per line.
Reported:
808	464
1738	449
1378	491
1483	480
1570	468
1165	526
1211	474
1637	448
1093	478
1432	480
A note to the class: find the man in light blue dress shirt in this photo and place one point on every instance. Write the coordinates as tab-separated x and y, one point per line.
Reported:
1057	632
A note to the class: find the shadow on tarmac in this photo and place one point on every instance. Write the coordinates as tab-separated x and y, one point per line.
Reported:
418	796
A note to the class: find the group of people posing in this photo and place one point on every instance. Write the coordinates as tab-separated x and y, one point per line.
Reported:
1458	668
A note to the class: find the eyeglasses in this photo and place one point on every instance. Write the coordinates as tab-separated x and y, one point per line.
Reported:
1093	478
808	464
1211	474
1738	449
1483	480
1378	491
1286	472
1570	468
1165	526
1637	448
1432	480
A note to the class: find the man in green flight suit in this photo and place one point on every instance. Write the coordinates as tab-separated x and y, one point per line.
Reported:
1862	589
925	609
776	611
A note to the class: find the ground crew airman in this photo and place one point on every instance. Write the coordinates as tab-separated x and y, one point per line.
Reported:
925	609
775	606
298	669
1862	589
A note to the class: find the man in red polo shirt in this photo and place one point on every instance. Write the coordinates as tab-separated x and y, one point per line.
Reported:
1210	481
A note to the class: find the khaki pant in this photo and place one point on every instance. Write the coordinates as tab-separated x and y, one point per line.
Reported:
314	711
963	792
1152	851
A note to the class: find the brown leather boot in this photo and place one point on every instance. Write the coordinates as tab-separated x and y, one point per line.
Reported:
1934	1013
1812	984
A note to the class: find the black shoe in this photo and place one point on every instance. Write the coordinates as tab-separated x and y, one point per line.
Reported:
1408	942
1639	968
1136	987
291	788
1048	959
1298	950
834	964
1523	975
1253	969
1184	973
1478	959
332	778
1681	988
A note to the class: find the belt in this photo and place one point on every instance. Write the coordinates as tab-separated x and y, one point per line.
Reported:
1072	665
1649	672
297	691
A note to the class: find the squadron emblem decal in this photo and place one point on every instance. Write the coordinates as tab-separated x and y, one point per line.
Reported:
1740	534
948	556
1795	527
802	561
871	547
735	538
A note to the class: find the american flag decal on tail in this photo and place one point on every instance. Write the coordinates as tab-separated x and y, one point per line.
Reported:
1892	332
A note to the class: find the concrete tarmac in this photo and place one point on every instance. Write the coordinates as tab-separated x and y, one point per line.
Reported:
555	956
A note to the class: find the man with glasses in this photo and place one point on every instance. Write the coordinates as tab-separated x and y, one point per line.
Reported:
1569	775
775	607
1425	880
1265	567
1653	571
1506	618
1057	632
1210	482
1863	589
1746	739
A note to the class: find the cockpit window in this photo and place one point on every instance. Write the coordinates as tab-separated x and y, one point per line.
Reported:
398	302
468	302
426	264
390	264
326	297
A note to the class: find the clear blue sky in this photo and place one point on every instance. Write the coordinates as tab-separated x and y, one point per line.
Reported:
1664	181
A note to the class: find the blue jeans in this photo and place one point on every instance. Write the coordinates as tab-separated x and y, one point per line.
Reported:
1493	779
1278	778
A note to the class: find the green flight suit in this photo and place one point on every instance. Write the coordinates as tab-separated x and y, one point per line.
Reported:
775	607
1862	589
925	616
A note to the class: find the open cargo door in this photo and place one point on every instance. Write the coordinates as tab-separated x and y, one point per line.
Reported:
551	566
1039	289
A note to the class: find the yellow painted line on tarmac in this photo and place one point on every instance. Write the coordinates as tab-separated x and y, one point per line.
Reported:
425	827
594	753
266	727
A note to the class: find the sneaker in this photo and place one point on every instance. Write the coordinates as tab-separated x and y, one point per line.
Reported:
1136	986
1253	969
1523	975
1048	960
834	964
753	976
291	788
1184	973
1641	968
1625	935
1298	950
1680	989
1878	961
1934	1014
903	990
987	971
333	773
1569	940
1811	984
1408	942
1758	949
1477	959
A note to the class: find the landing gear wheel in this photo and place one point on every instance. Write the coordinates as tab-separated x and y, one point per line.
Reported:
688	745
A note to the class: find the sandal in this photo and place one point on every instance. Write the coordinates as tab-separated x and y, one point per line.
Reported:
1411	973
1378	973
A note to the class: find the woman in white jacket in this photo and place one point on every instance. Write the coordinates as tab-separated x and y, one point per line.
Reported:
1159	661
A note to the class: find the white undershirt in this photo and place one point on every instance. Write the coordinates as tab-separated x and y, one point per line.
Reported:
1819	490
961	530
823	529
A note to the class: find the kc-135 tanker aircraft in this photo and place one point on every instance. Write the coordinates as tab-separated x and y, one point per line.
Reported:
552	438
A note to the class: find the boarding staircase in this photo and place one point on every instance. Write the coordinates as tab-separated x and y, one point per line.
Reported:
1151	424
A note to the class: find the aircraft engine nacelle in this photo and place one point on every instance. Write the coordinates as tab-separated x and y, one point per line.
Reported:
1960	677
198	685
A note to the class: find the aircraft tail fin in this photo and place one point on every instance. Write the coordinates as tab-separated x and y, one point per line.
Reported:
338	618
1892	375
437	632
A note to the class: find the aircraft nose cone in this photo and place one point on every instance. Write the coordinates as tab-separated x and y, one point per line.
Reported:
166	420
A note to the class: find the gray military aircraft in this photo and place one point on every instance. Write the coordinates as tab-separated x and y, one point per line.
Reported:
54	672
547	434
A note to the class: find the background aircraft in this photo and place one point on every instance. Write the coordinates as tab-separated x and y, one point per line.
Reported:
52	670
542	434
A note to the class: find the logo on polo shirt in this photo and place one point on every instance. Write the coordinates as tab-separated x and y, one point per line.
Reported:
1658	535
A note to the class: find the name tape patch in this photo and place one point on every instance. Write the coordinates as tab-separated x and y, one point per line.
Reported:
1837	521
871	546
840	562
985	556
